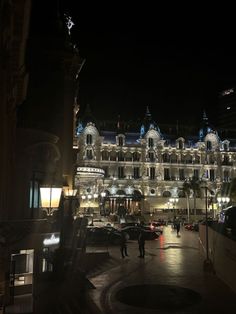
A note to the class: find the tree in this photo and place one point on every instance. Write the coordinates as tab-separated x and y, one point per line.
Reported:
195	187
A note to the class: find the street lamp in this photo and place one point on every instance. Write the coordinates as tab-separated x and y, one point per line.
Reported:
223	201
70	195
174	201
67	218
70	192
50	199
207	262
103	194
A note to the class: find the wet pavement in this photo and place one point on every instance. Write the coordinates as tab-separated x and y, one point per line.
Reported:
169	279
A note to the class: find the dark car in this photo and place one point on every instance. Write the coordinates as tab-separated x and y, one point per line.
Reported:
102	235
133	232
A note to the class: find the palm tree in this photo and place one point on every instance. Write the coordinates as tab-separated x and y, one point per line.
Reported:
186	190
195	187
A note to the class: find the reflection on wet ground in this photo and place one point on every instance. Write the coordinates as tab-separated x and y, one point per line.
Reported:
171	264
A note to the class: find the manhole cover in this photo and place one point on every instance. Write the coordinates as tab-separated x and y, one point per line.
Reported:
158	296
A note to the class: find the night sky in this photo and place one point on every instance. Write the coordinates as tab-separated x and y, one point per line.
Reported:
141	58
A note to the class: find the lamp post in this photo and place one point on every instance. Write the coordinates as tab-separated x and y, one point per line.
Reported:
207	264
103	195
174	201
50	202
70	195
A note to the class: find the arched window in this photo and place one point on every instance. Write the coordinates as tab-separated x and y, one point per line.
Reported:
166	194
173	158
181	144
112	156
120	141
151	156
225	160
197	159
136	156
212	159
208	145
120	172
166	174
181	193
89	154
226	146
121	156
150	142
166	157
137	195
105	155
181	174
89	139
128	156
188	159
136	173
152	173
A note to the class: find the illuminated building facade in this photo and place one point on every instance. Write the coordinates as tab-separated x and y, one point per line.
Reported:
151	171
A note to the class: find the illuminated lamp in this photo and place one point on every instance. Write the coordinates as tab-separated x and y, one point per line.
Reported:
50	199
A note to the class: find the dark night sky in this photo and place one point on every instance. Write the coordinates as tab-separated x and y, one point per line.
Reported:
175	66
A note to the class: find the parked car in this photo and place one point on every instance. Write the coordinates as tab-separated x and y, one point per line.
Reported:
100	222
102	235
156	226
133	232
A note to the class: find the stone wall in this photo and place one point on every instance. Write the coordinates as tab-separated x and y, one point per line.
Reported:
222	252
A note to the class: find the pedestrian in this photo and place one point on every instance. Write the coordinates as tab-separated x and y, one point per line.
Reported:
123	245
141	244
177	227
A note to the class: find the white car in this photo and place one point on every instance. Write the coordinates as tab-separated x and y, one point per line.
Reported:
99	222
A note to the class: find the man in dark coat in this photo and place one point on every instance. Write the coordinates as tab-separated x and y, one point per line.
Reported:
123	245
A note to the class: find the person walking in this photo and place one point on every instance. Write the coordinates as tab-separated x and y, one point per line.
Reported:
123	245
141	244
177	227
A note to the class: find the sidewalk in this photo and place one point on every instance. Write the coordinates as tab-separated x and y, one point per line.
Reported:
169	279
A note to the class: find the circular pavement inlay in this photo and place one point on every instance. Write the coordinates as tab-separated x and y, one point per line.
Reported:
158	297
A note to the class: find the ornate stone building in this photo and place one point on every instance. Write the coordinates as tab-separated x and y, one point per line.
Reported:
151	171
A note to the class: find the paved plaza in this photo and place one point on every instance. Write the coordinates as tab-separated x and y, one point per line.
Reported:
169	279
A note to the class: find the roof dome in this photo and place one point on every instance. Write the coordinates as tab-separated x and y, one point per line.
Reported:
148	124
206	128
87	117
